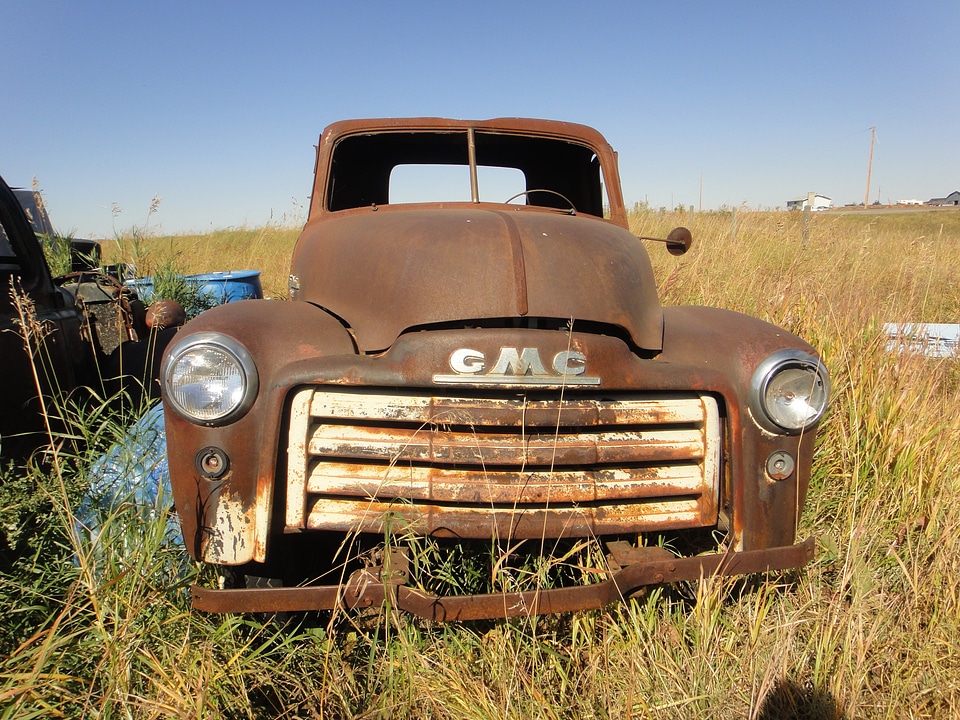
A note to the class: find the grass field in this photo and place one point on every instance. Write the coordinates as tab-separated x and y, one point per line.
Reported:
871	629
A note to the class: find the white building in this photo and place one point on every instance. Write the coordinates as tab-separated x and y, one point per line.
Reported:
811	200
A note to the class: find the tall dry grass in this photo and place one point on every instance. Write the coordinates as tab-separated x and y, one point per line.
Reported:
266	249
870	629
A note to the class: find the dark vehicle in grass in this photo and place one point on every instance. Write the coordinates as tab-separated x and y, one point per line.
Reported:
62	338
60	353
490	366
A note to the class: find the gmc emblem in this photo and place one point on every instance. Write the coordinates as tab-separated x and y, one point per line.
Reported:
515	366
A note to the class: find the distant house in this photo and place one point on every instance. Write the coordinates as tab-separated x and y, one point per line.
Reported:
951	199
811	200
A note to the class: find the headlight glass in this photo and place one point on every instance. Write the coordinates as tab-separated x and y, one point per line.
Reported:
789	392
210	379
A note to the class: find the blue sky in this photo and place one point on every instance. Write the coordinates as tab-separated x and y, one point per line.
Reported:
214	107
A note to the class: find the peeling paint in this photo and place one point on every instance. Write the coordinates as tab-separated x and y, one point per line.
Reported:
229	541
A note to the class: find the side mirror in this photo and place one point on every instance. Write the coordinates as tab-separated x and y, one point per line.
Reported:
678	241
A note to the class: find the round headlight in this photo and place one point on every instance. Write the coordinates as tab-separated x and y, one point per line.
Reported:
789	392
209	379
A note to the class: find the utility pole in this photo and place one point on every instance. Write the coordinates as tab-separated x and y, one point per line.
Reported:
866	197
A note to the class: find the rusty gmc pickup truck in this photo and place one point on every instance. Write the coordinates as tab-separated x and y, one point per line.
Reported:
474	350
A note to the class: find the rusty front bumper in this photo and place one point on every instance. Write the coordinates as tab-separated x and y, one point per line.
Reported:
366	589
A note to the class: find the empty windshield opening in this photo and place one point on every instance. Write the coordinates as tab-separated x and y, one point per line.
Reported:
380	168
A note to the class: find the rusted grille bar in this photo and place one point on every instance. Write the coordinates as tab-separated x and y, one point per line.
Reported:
474	467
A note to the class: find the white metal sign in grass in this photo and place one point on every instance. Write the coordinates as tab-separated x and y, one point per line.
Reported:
927	339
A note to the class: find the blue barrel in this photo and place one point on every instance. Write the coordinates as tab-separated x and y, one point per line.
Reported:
221	287
143	286
229	285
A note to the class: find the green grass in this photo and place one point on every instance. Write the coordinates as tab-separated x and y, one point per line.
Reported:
870	629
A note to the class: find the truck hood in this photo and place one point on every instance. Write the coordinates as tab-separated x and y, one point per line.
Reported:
385	270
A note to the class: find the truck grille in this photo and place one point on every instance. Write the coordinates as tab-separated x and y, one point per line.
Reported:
501	466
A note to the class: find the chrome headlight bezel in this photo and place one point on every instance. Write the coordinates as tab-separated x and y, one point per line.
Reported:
764	383
226	404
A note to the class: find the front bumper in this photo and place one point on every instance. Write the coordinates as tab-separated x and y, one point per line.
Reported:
369	587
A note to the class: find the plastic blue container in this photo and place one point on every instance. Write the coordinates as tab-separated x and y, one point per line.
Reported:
221	287
230	285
